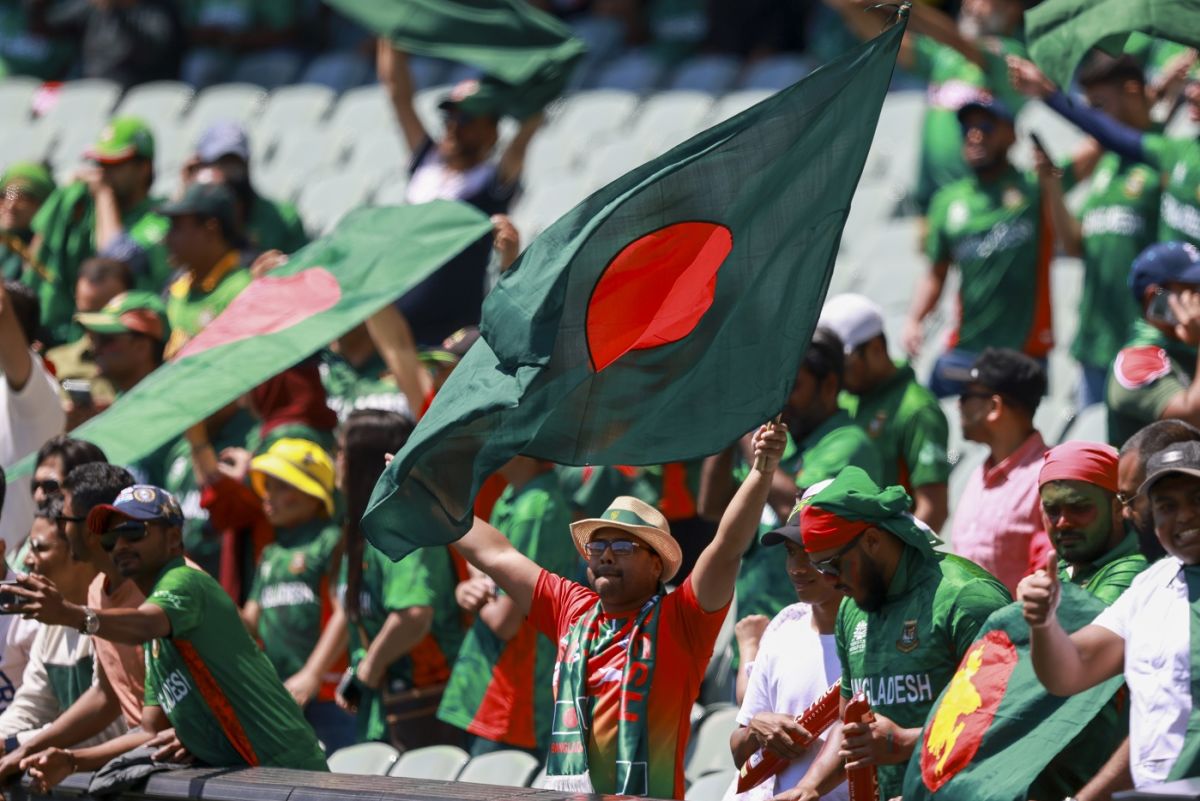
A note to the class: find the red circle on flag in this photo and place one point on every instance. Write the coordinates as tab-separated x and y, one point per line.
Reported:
966	709
655	290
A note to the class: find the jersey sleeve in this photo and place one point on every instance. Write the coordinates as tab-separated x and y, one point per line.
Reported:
839	639
924	52
973	606
406	583
182	595
937	243
557	603
923	445
1161	152
1142	383
696	627
255	593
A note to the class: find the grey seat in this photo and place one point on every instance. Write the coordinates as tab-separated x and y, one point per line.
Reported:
340	71
637	71
159	103
239	102
269	70
711	752
775	73
16	96
324	201
83	103
364	759
502	768
441	762
711	786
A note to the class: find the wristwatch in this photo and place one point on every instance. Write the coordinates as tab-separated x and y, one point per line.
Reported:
91	621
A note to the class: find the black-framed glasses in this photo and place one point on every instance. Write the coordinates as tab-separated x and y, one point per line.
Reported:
833	565
48	486
618	547
130	532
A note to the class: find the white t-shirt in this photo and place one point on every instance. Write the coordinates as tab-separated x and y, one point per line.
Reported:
1153	618
794	667
27	419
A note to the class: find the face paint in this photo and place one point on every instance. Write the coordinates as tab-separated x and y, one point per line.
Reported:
1078	519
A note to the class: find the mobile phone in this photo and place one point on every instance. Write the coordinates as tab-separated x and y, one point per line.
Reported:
9	601
1159	309
1037	142
349	688
79	390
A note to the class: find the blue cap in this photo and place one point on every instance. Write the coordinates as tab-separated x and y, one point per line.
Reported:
139	502
224	138
990	104
1163	263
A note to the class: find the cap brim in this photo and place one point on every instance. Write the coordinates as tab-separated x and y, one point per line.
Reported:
439	356
777	535
662	544
1162	473
975	105
269	464
115	157
101	323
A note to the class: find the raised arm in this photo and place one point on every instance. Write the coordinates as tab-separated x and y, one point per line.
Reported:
46	604
15	361
392	66
490	551
717	567
396	345
1066	225
513	160
924	301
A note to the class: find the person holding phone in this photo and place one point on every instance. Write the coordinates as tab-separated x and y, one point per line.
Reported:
1153	375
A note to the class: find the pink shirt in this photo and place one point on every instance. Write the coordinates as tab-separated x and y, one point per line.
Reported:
998	520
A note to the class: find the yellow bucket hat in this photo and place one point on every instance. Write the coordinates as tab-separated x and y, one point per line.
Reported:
298	462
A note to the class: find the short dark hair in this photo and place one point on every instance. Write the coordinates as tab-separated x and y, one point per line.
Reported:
1158	436
95	483
73	452
25	308
3	487
825	356
98	269
1101	68
1012	375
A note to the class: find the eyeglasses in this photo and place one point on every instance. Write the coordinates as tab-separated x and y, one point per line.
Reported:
1126	498
48	486
833	565
130	532
618	547
69	519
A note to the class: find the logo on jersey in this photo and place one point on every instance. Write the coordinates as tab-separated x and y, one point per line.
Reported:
858	641
1013	198
298	564
875	427
1135	184
909	640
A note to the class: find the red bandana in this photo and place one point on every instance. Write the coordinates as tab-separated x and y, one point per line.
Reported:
1081	461
823	531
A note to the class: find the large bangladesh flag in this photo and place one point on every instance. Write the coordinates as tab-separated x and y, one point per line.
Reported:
1061	32
659	319
994	728
374	256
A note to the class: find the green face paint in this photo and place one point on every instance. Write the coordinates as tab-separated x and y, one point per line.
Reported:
1078	519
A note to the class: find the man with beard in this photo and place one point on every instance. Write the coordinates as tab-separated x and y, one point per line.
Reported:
1131	472
989	226
909	617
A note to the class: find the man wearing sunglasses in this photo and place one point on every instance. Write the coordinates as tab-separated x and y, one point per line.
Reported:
630	654
910	615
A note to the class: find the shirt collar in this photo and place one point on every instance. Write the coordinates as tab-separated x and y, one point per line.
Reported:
997	473
1128	546
228	263
836	420
171	565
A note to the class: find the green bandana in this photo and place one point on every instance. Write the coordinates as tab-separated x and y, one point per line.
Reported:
567	765
1188	763
852	495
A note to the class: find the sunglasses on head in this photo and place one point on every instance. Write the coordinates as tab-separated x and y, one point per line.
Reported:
48	486
833	565
131	531
618	547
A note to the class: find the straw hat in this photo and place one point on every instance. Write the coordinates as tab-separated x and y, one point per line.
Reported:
640	519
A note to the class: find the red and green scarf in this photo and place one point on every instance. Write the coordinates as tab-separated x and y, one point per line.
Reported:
567	765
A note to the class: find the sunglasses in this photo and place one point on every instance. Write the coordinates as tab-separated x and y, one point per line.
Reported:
618	547
130	532
69	519
48	486
833	565
986	127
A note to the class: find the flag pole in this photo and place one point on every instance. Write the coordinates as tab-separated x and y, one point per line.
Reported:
758	460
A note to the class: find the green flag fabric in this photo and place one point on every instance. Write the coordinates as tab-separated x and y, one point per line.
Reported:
324	290
659	319
1061	32
526	55
994	728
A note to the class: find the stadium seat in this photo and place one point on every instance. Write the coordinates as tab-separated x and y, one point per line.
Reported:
292	108
366	108
775	73
340	71
85	103
501	768
604	37
710	787
969	456
24	144
895	150
270	70
439	762
364	759
158	103
539	781
1090	425
637	71
376	153
667	118
16	97
737	102
1052	418
712	73
324	201
593	116
300	158
391	190
550	156
539	207
239	102
610	161
69	147
711	750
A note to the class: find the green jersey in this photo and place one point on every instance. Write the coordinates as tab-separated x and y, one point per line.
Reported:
219	691
193	305
593	487
902	655
13	247
501	690
907	426
834	444
426	577
274	225
992	231
953	81
1179	161
292	588
368	386
1149	371
1119	218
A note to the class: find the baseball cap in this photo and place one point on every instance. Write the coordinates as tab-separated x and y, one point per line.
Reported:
139	502
1011	374
474	97
223	138
1182	457
453	347
30	177
854	318
1163	263
122	139
300	463
988	103
135	311
203	200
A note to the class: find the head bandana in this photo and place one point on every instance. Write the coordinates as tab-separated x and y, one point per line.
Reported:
1081	461
851	503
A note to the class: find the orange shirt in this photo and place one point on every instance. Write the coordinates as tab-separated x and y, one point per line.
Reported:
123	665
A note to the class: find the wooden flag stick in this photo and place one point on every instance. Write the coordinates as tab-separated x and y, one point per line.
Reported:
758	462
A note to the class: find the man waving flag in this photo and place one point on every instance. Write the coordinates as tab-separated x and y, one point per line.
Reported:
660	318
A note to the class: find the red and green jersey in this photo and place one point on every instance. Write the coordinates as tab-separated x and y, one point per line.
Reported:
1179	161
423	578
1149	371
220	692
994	233
684	645
501	690
292	588
902	655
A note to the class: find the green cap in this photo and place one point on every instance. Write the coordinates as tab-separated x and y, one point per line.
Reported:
31	177
122	139
203	200
852	495
135	311
476	98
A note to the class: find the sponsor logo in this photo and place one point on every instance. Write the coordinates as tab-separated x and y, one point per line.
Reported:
1118	220
289	593
858	640
876	426
298	563
1180	216
175	687
1000	237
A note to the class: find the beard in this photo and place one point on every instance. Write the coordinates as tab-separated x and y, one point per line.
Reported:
874	587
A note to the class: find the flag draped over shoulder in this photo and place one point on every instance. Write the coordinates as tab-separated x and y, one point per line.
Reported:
995	729
374	256
1061	32
659	319
525	53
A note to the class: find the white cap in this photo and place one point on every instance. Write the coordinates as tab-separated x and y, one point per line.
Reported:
854	318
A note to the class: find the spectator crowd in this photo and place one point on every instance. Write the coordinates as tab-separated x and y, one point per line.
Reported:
216	602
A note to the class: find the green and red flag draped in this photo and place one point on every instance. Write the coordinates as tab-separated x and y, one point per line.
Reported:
1061	32
994	730
659	319
374	256
526	55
